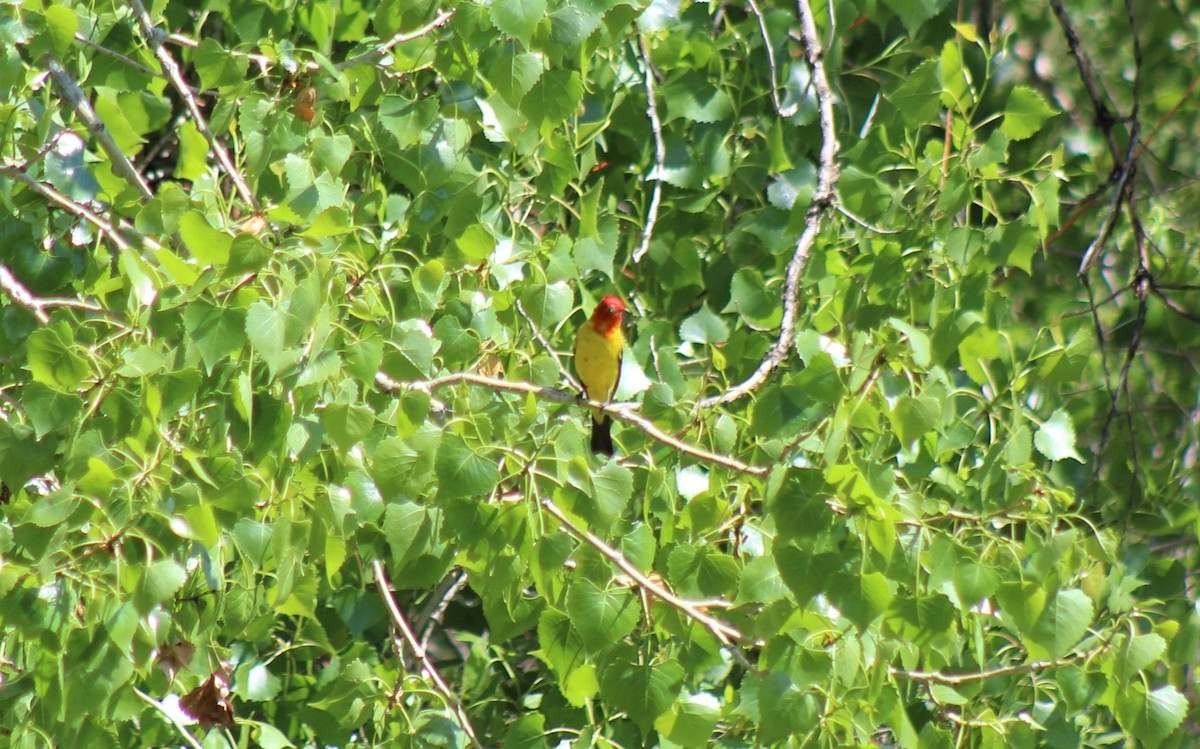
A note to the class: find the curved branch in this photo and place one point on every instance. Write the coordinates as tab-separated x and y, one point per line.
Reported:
621	411
410	637
155	38
725	632
822	201
83	108
36	305
660	157
371	56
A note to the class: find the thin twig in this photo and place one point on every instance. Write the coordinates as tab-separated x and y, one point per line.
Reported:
385	590
939	677
118	56
183	731
566	373
155	38
72	207
762	27
623	411
83	109
862	221
823	198
21	295
725	632
434	615
660	155
36	305
371	56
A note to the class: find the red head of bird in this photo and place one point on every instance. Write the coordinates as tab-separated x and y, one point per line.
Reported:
608	314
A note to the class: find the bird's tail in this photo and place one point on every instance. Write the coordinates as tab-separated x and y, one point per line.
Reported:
602	436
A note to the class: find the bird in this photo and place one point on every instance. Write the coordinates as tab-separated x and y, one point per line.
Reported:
599	347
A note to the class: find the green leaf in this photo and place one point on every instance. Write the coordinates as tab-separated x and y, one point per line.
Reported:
548	305
806	573
691	720
265	329
526	732
246	255
918	341
159	583
704	327
48	409
1135	653
1055	438
1025	113
974	581
257	683
52	358
216	332
1063	621
553	98
518	18
217	67
206	244
61	24
914	13
694	98
918	98
461	472
514	75
750	297
347	424
602	617
912	417
761	582
643	690
1152	717
613	485
861	598
1021	603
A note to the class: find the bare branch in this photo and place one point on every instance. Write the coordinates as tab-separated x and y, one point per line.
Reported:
118	56
1032	667
155	38
35	305
72	207
19	294
862	221
822	200
623	411
725	632
83	108
410	637
566	373
170	716
374	55
762	27
660	156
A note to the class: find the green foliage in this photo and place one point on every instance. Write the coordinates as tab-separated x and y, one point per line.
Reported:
960	512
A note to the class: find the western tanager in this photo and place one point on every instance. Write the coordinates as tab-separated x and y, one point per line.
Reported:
599	346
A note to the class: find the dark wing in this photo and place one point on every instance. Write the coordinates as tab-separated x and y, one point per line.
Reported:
620	360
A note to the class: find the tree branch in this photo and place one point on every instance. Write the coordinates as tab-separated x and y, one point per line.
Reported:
1033	667
762	27
72	207
370	57
35	305
822	200
83	108
410	637
660	156
622	411
725	632
155	38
